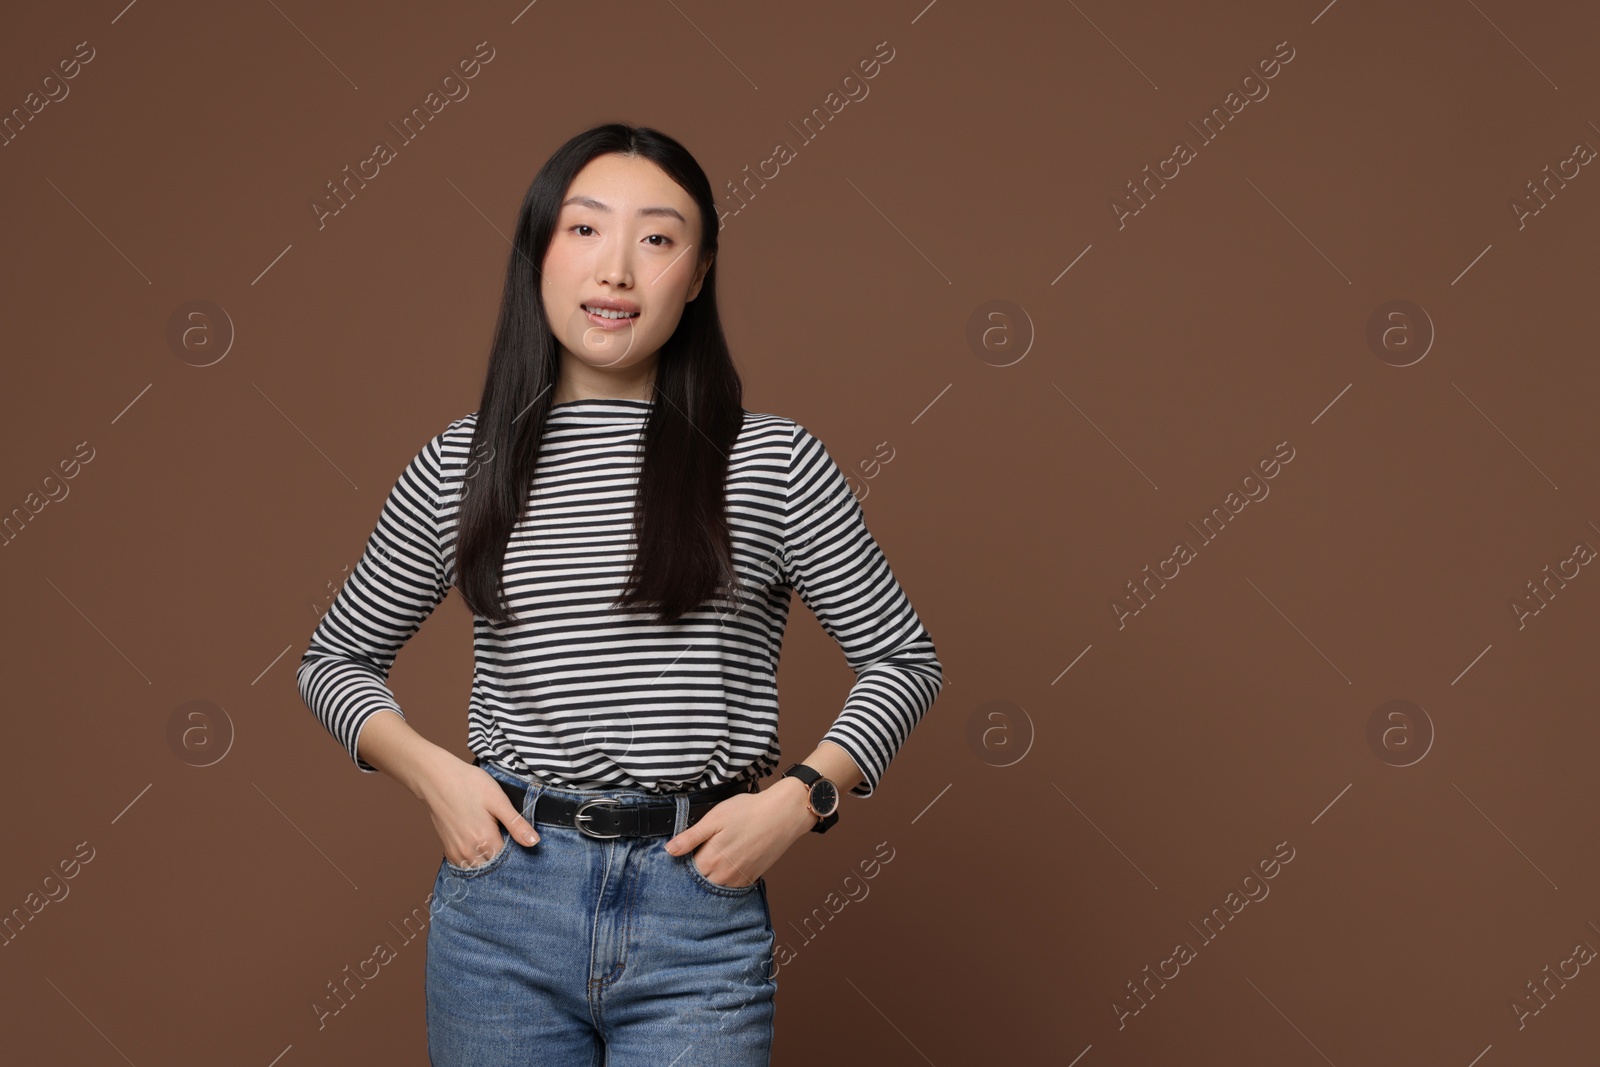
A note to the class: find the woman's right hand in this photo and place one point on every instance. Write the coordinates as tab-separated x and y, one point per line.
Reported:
468	808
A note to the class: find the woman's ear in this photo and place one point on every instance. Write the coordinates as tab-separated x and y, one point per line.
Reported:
699	278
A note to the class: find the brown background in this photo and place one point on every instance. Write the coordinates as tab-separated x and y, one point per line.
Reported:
240	863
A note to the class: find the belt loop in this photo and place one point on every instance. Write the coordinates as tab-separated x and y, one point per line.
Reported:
681	819
530	802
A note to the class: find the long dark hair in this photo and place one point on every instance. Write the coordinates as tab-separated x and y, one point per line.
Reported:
684	555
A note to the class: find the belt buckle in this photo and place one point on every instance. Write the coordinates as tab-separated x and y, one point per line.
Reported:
580	817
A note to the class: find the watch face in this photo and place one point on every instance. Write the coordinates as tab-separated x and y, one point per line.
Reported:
824	797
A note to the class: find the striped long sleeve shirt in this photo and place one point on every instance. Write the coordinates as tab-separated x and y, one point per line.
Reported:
580	695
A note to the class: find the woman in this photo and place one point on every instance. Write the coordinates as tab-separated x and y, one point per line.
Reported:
627	537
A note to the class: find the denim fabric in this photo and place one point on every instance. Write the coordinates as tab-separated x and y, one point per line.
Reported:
581	952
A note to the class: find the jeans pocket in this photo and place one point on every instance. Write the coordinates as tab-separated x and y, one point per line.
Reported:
721	890
482	869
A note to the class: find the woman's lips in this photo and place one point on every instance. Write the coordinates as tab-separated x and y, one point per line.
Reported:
603	323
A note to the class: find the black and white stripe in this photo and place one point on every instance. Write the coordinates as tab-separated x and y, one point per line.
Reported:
578	694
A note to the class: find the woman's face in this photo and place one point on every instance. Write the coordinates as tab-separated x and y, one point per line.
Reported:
625	243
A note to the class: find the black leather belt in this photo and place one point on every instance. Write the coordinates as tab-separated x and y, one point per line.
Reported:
604	817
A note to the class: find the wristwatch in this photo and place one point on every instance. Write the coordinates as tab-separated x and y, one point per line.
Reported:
822	801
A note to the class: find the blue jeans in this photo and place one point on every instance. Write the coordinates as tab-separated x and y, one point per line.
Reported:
582	952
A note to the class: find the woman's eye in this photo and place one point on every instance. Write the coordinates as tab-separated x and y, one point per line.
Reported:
664	240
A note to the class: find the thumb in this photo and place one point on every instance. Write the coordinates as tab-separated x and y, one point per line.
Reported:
521	829
689	840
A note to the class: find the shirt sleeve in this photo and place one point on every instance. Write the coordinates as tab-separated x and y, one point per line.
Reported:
399	580
837	567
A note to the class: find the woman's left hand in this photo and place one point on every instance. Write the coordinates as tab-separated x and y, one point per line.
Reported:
742	837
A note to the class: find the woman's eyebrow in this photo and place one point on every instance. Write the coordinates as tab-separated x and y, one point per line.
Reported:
591	202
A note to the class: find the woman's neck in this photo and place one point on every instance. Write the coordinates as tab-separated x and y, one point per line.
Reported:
584	383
